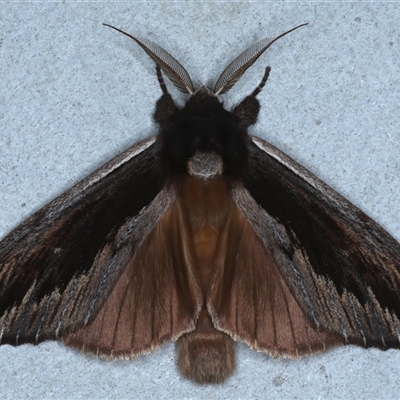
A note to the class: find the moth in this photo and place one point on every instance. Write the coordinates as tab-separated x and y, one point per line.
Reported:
205	235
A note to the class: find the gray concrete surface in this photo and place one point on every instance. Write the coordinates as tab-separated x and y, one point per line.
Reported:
74	93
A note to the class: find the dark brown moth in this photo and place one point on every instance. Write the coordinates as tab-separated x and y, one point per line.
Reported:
205	235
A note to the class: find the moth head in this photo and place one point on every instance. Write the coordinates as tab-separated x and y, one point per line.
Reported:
203	125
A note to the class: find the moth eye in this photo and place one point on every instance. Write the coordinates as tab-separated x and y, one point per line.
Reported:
205	165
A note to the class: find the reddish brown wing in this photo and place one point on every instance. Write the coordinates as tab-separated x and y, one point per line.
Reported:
316	252
155	300
99	255
250	300
58	266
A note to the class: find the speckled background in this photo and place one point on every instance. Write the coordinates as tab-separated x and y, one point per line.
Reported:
74	93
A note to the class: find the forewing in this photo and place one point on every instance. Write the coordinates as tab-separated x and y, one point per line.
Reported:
58	267
340	266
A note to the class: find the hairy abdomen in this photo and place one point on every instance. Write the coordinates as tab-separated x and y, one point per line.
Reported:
206	354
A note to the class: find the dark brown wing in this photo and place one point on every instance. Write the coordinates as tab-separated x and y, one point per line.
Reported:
58	268
342	269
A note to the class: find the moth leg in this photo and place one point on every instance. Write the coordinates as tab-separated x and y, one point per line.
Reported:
165	106
247	110
260	87
161	81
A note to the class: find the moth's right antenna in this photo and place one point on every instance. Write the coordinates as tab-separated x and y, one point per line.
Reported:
240	64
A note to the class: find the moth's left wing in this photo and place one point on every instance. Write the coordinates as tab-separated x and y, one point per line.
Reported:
341	268
59	267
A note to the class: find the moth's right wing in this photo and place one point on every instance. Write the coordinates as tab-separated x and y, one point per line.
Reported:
93	251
